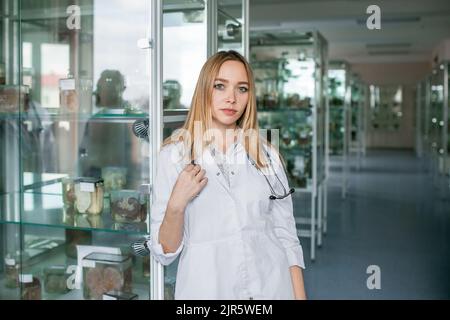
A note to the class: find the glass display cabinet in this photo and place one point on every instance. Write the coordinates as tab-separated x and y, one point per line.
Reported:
338	84
432	126
423	121
358	106
339	99
418	124
290	70
437	125
445	68
386	107
75	177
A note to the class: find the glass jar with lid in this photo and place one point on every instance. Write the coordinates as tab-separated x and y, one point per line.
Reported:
115	178
89	195
68	189
12	98
119	295
128	206
30	287
12	269
103	272
55	279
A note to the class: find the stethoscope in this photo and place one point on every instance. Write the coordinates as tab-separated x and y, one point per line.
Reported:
274	195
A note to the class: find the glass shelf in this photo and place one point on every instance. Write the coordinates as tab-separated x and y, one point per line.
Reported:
73	117
48	210
286	109
44	206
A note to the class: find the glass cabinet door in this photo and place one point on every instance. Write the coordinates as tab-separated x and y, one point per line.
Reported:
185	50
84	170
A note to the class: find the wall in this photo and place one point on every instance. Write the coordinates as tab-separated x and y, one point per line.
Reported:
407	75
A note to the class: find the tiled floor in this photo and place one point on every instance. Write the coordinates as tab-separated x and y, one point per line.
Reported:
390	218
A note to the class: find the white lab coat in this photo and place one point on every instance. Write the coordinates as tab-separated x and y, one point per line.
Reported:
237	243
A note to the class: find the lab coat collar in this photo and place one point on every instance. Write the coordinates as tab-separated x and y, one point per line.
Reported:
235	155
208	163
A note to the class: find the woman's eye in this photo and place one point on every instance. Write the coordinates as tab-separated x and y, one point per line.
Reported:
243	89
219	86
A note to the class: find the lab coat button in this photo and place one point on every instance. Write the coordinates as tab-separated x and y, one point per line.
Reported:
218	174
232	172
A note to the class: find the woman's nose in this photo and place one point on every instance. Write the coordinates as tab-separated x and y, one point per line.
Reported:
231	97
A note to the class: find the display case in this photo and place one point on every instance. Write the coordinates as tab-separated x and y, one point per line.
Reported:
338	85
67	113
439	127
339	100
358	117
445	67
436	125
290	70
423	120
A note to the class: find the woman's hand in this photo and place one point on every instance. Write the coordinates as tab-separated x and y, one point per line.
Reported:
188	185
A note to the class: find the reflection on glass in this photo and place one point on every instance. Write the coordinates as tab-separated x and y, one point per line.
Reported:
230	25
185	48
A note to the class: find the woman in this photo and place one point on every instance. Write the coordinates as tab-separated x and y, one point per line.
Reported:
212	202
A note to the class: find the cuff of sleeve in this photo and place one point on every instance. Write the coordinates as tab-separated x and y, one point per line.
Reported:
295	256
157	251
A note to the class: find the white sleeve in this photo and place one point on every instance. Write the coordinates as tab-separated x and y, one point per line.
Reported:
166	177
283	217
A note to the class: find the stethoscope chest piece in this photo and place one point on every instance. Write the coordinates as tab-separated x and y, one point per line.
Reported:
273	195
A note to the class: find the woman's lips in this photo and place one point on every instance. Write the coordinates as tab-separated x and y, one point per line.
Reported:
229	112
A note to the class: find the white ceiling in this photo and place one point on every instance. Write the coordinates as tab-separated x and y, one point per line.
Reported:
410	29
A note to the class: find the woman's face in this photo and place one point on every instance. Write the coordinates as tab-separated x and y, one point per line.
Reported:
230	94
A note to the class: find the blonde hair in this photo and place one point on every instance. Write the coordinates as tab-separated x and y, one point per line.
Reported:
200	112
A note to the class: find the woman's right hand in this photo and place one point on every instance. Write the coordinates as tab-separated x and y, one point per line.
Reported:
188	185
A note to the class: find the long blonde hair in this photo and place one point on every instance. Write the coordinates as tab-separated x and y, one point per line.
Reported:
200	112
